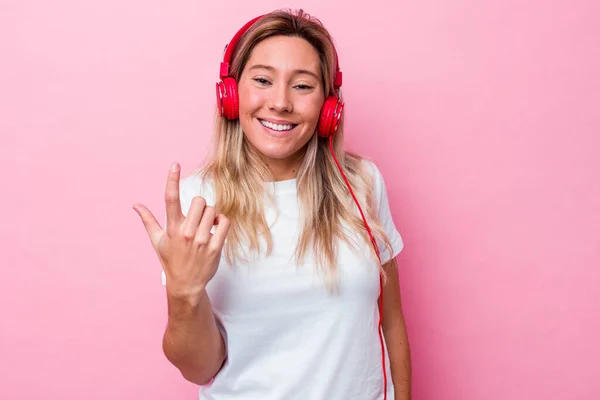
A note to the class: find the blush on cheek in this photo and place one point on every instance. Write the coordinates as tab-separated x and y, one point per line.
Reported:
251	99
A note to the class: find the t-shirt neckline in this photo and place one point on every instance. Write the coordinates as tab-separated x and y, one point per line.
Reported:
284	186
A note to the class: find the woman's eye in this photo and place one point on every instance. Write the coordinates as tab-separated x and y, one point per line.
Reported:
303	86
261	81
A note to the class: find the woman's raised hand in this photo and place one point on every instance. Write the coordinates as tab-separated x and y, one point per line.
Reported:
188	251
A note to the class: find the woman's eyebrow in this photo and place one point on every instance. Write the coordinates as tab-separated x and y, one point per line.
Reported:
297	71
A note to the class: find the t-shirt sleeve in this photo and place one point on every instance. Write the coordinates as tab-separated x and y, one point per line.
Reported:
385	217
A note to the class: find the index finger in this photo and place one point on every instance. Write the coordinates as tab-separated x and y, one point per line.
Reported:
173	203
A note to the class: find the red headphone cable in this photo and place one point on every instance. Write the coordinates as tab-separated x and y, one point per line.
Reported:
380	300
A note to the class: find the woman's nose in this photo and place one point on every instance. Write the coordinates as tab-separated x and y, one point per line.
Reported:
281	101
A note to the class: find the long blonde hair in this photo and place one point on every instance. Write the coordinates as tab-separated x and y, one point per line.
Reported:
239	174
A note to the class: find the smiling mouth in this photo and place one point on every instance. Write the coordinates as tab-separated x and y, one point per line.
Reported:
278	127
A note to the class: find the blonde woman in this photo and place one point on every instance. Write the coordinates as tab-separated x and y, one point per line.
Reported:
278	254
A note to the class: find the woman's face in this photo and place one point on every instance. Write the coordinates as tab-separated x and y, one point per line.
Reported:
280	97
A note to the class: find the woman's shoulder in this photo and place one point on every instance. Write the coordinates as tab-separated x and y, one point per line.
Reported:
375	177
370	167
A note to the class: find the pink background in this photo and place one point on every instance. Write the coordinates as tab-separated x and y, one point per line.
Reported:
482	115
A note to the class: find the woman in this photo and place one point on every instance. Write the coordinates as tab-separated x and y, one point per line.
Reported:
272	278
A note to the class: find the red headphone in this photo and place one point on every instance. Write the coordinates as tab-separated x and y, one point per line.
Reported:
227	94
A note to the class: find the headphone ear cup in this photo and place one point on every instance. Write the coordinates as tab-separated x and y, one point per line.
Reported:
227	98
220	94
330	117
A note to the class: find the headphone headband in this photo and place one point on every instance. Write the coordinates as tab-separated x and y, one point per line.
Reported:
224	70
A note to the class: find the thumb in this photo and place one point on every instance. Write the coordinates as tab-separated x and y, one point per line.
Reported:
150	223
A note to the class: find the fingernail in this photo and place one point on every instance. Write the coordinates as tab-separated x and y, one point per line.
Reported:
174	167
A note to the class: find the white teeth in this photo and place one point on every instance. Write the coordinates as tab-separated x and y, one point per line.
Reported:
276	127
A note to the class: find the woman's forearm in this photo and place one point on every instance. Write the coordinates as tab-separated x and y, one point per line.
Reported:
192	342
399	351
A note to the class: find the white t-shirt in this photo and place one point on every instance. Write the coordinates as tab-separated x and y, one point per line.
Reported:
287	336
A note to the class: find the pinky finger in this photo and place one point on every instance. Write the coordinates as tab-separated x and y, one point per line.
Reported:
223	224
